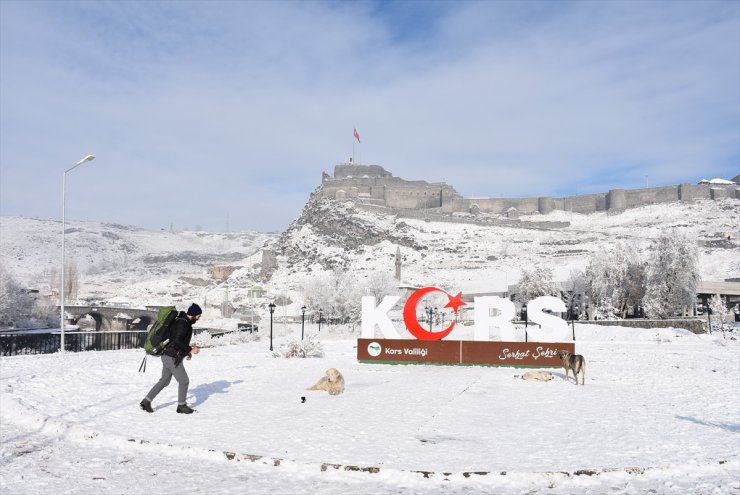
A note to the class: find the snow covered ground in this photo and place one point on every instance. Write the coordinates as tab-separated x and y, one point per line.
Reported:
660	413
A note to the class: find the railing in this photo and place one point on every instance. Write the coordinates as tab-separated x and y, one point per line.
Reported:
13	344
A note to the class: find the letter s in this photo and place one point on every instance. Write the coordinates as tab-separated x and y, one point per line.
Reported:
553	329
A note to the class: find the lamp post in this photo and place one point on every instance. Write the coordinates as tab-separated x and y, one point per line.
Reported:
572	319
430	311
271	307
526	323
303	320
64	245
320	319
709	318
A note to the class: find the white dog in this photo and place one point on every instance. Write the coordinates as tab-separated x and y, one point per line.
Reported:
333	382
537	376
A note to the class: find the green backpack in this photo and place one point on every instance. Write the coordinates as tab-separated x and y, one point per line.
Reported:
158	335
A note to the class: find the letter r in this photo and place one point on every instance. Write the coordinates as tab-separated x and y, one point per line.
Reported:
502	321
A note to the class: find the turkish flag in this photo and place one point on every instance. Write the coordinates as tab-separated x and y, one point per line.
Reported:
357	135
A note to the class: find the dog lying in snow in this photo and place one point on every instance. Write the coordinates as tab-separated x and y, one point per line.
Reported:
333	382
537	376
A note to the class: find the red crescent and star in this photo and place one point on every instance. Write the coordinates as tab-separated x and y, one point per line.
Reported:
409	314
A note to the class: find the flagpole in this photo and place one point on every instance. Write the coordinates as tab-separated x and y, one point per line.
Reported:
353	144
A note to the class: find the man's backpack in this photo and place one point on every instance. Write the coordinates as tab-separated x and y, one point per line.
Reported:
158	335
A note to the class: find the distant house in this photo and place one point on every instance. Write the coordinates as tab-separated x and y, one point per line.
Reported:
723	182
256	291
222	272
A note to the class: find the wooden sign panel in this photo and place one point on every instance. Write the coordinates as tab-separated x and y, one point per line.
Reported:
528	354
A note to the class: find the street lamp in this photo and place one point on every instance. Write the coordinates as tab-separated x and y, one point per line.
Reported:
271	306
87	158
320	312
709	317
303	320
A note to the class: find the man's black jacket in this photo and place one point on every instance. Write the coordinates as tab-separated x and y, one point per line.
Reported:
182	331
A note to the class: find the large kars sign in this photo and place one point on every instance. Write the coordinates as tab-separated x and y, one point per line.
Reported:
430	348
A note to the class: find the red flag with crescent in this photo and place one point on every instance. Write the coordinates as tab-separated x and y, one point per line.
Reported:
357	135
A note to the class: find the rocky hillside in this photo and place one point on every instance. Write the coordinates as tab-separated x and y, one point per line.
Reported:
329	233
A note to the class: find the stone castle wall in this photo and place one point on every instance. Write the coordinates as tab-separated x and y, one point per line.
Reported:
373	185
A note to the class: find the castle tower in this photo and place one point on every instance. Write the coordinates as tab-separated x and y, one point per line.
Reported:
398	263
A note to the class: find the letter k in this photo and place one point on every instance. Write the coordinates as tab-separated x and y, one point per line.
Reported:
372	315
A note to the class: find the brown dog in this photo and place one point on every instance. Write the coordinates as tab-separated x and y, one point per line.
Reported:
574	362
333	382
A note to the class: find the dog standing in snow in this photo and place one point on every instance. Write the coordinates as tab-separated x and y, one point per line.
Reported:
332	382
574	362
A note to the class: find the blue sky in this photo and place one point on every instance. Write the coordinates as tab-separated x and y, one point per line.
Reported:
224	114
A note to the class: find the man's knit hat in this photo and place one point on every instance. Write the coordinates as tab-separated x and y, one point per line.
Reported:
194	310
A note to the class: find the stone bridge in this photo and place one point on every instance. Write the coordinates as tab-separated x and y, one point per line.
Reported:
109	318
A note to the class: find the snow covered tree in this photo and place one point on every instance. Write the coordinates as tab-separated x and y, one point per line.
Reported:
719	310
574	291
535	282
12	298
615	280
18	308
671	275
337	294
379	285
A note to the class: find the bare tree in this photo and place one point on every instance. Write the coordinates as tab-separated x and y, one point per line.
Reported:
71	281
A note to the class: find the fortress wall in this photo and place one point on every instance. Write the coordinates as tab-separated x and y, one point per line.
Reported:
639	197
721	192
616	199
492	205
413	197
524	206
584	203
691	192
457	204
545	204
345	170
374	183
449	195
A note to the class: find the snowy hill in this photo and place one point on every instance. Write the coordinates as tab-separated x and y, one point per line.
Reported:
157	267
123	262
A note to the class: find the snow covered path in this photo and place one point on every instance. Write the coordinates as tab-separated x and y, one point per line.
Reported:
660	411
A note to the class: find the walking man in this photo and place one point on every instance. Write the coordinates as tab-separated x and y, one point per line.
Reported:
172	357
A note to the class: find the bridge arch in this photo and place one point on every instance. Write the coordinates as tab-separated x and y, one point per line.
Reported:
110	318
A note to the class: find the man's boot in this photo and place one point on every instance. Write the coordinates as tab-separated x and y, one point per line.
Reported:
146	405
184	409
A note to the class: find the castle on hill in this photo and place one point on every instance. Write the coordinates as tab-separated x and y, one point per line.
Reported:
372	185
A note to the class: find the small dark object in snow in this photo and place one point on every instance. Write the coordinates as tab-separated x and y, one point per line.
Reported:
303	399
